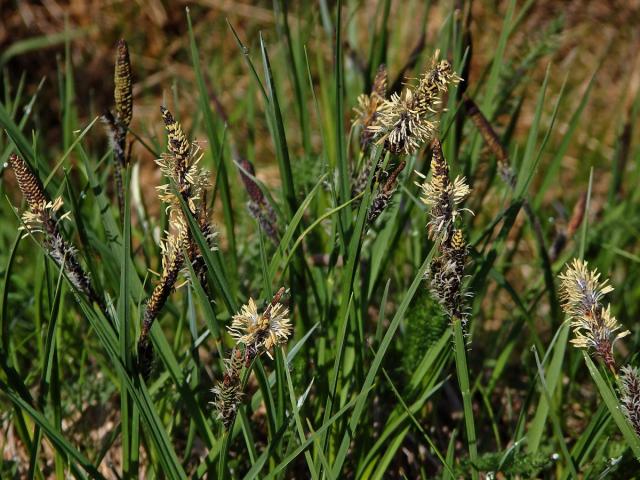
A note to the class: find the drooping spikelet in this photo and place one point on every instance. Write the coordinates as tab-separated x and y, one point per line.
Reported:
490	136
406	121
630	395
442	196
228	393
260	332
382	199
581	292
367	109
258	205
123	95
43	217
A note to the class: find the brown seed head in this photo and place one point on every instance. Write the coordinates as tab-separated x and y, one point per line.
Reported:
29	184
123	85
178	143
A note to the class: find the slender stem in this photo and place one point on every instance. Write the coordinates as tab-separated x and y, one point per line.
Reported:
463	381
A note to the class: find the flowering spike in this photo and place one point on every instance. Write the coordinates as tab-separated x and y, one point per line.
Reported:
228	393
42	217
368	105
28	182
261	332
181	166
442	195
406	121
581	292
178	145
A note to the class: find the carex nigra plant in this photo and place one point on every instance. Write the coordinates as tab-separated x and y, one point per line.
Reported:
44	216
118	123
255	333
188	184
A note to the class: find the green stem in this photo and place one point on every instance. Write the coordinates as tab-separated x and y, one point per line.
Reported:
463	380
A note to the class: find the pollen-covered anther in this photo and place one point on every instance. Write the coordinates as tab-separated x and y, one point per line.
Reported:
262	331
442	196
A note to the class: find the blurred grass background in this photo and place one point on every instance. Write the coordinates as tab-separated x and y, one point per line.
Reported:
578	42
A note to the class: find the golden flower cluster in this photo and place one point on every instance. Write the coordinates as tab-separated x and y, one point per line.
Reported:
444	197
256	333
594	327
405	121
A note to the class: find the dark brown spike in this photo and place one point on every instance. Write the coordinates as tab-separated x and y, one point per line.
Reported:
492	140
156	302
30	185
439	166
161	292
123	95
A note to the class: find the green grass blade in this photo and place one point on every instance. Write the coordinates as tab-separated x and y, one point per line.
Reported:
613	405
375	366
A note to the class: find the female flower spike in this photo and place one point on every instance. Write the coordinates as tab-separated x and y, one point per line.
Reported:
228	392
630	395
